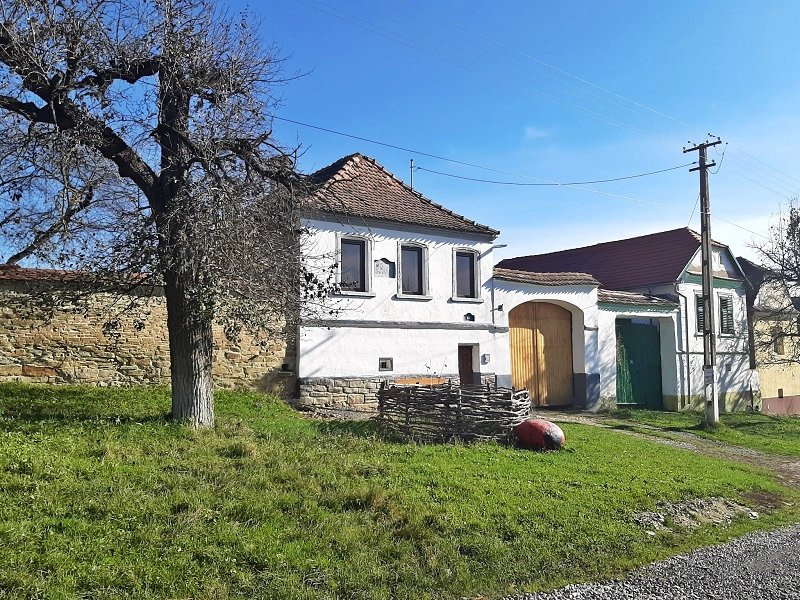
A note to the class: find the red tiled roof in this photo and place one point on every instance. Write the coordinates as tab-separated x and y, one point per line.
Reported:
553	279
17	273
357	186
623	264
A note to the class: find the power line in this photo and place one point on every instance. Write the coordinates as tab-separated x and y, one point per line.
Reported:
571	183
541	182
500	171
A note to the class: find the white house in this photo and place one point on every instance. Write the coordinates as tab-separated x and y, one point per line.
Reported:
415	289
420	300
649	319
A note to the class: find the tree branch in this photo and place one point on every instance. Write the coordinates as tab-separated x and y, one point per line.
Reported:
130	74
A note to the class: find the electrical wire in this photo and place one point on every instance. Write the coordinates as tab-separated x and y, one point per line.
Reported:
543	182
476	166
362	23
721	160
590	113
571	183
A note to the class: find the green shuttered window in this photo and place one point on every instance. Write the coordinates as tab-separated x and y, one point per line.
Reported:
726	315
700	314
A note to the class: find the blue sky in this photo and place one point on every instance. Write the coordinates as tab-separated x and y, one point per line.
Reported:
556	91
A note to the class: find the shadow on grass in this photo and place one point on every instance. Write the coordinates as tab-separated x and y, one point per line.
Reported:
118	406
368	428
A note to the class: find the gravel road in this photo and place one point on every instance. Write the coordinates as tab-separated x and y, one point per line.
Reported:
759	566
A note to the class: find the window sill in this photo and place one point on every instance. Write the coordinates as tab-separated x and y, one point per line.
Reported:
418	297
353	294
717	334
466	300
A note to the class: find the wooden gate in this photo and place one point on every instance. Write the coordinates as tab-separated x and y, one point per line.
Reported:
639	365
541	352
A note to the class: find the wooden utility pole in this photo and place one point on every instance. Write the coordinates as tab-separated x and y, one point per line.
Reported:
709	339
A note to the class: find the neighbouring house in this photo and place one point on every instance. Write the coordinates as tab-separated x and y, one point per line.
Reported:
649	320
774	328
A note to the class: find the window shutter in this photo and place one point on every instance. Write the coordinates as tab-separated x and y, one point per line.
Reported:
726	315
700	314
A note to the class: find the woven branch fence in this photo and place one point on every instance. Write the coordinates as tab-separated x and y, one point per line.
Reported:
443	412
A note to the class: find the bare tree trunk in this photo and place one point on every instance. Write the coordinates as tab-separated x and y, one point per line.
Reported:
191	347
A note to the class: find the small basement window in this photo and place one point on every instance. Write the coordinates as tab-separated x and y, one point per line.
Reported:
385	364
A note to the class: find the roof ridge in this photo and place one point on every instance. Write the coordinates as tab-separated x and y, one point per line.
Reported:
635	237
329	175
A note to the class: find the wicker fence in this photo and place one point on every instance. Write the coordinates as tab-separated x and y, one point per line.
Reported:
443	412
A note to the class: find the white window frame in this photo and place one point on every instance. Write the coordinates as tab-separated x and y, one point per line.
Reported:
368	267
477	274
426	292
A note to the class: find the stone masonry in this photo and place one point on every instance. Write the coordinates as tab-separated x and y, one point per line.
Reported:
84	345
359	394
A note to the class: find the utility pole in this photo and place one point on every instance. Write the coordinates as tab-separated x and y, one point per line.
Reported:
709	340
412	174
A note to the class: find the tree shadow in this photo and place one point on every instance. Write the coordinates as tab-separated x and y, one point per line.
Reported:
37	405
363	428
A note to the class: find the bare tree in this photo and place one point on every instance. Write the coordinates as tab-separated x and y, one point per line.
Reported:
773	292
136	146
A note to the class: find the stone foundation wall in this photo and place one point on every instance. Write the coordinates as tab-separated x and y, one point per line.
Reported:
359	394
99	345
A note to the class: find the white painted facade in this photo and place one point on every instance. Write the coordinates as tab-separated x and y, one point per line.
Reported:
682	341
421	334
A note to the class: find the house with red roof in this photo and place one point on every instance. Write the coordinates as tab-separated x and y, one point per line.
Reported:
419	299
650	319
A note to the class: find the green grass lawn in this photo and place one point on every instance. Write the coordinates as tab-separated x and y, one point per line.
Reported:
768	433
101	497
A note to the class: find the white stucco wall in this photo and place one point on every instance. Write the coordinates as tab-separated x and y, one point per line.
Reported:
581	301
607	321
411	330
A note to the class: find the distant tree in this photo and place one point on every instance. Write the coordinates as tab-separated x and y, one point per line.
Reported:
774	290
136	146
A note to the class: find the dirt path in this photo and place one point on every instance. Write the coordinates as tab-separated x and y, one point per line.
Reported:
785	468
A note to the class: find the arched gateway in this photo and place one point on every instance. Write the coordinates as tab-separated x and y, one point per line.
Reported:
541	352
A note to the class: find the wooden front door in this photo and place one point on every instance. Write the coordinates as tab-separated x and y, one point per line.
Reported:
541	352
466	370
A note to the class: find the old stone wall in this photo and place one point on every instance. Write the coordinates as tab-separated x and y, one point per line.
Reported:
101	344
360	394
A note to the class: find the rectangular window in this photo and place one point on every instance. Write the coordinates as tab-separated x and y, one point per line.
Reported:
411	266
465	275
700	314
353	265
726	315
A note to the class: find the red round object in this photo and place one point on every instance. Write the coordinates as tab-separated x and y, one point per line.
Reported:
539	434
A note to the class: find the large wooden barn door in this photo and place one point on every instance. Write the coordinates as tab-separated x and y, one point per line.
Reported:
541	352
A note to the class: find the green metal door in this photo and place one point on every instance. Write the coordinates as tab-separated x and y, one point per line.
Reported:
639	364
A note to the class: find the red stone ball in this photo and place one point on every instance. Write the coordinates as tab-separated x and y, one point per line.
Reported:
539	434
